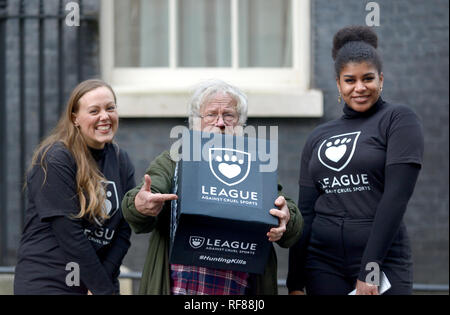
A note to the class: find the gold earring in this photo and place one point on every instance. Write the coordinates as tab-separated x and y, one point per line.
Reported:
339	98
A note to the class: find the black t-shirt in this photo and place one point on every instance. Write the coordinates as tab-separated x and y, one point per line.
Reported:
52	239
345	159
357	175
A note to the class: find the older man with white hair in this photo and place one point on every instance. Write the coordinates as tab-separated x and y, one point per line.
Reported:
218	107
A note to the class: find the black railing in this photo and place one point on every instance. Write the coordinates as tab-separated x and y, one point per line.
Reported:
21	20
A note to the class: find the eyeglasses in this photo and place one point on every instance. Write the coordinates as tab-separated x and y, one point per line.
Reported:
227	118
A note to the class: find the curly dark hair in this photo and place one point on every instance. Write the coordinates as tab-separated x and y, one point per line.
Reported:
355	43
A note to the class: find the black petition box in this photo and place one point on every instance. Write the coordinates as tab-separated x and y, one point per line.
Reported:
225	187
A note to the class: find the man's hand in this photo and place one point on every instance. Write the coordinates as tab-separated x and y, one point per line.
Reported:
148	203
283	215
364	288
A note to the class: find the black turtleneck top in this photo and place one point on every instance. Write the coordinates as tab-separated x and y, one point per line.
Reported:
360	168
98	154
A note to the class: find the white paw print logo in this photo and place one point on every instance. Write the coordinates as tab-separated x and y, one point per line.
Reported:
229	170
111	204
107	206
228	165
337	151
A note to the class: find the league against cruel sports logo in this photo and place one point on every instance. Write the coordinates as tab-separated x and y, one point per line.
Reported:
111	205
337	151
196	241
229	166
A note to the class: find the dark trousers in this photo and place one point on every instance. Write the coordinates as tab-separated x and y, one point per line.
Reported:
334	258
321	282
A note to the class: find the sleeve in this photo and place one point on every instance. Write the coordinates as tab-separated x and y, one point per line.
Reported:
121	244
294	226
119	248
77	248
54	190
161	171
405	142
400	180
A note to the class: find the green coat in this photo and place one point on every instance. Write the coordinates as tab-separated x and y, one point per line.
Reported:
156	273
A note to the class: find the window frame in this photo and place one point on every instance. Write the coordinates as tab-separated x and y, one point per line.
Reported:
164	91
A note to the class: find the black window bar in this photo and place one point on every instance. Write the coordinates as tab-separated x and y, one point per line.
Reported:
3	7
41	16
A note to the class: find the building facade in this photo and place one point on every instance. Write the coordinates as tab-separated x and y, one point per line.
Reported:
286	70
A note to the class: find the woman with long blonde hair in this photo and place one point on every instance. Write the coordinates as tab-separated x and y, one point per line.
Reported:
75	236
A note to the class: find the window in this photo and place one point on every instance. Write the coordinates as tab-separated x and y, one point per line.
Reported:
155	51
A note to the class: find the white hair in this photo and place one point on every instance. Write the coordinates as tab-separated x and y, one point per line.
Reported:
207	89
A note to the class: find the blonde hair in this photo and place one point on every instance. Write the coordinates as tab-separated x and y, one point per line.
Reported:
90	190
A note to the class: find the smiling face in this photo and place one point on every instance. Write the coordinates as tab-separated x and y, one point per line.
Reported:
97	117
360	85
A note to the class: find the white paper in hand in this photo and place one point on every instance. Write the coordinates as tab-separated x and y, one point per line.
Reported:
384	285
